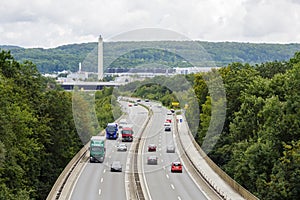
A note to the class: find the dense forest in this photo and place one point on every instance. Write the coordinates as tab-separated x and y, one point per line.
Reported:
127	55
38	136
259	143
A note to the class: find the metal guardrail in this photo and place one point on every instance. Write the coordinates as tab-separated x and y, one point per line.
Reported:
63	177
194	167
235	185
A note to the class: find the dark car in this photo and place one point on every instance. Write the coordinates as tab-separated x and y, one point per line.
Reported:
176	167
116	166
170	149
152	160
167	128
151	147
146	100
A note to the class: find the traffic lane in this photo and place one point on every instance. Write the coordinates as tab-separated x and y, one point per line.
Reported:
113	183
88	181
137	115
155	177
185	186
93	180
181	184
88	184
110	182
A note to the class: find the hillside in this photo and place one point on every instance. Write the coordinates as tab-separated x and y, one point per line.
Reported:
132	54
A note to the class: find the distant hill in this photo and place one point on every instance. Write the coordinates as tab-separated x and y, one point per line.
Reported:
160	53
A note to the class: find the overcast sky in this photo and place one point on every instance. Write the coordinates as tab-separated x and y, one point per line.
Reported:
51	23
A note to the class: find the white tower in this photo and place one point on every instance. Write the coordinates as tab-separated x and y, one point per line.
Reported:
100	58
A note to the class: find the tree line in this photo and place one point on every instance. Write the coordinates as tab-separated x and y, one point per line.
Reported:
129	55
38	136
259	145
258	114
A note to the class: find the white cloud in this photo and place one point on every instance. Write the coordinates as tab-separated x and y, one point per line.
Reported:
50	23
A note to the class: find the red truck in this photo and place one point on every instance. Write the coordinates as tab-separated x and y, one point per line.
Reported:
127	134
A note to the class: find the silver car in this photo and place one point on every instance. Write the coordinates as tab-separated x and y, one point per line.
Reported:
122	147
152	160
170	149
116	166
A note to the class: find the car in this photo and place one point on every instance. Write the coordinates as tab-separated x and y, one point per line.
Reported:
130	105
151	147
116	166
138	100
135	104
172	111
170	149
152	160
168	128
122	147
122	123
146	100
176	167
168	120
167	124
169	113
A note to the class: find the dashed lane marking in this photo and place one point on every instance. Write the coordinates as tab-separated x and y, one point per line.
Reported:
172	186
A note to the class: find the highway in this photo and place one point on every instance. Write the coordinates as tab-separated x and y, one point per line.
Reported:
97	182
159	181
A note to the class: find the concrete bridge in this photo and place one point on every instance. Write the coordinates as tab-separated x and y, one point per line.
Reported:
88	85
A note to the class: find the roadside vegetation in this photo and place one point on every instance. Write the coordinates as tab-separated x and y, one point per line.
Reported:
259	144
38	136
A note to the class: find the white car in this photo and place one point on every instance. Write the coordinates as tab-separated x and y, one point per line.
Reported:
167	124
122	147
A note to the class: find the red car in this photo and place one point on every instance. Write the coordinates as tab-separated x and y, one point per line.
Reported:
168	120
151	147
176	167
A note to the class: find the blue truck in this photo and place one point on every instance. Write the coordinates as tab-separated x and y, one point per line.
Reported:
112	131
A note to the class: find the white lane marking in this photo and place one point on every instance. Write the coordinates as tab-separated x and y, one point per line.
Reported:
104	171
162	160
100	192
76	181
178	198
172	186
167	176
101	180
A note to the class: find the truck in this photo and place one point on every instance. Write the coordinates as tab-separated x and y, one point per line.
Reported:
112	131
127	133
97	149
